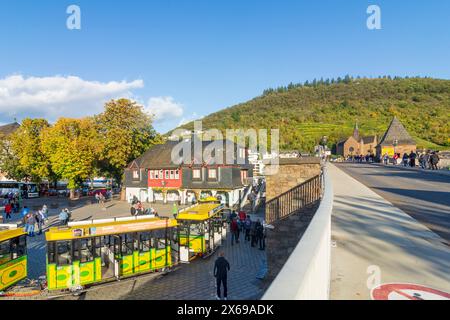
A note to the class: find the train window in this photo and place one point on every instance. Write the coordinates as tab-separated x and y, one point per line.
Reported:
145	241
76	250
160	239
5	252
127	244
18	247
196	229
86	250
98	247
63	250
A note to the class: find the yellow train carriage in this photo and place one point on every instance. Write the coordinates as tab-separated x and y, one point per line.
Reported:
88	253
200	229
13	256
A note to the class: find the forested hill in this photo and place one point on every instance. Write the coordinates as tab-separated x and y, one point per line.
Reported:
306	112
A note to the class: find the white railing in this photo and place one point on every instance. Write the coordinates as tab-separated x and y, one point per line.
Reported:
306	273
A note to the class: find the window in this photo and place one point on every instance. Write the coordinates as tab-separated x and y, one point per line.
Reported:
156	174
172	175
152	174
167	174
135	174
244	175
241	153
212	173
5	253
161	174
86	250
177	174
128	243
18	247
145	242
63	250
196	174
351	149
51	252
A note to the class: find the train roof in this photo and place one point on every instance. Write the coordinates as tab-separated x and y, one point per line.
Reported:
200	212
93	228
8	232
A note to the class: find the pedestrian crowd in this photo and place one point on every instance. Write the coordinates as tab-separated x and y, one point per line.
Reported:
137	209
369	158
11	204
424	160
33	221
253	231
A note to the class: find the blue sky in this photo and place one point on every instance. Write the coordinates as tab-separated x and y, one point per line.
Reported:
190	58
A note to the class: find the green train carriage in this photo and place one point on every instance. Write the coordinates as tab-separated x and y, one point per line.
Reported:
88	253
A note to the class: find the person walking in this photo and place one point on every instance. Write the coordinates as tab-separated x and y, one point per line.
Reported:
40	218
253	229
426	160
412	159
434	160
234	228
221	268
63	217
405	159
247	226
386	158
260	235
8	209
175	210
30	222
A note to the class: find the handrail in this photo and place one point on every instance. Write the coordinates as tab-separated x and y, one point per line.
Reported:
291	201
306	273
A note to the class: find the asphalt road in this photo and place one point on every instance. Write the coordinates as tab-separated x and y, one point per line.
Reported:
423	196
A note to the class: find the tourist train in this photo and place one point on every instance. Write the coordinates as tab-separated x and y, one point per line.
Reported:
87	253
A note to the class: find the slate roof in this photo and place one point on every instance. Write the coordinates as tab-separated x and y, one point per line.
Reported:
160	156
369	139
396	131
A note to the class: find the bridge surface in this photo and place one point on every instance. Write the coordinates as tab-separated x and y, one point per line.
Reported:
370	234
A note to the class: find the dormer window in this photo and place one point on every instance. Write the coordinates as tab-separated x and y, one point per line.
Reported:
197	174
136	174
212	174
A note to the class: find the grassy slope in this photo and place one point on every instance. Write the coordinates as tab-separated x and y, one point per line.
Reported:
305	114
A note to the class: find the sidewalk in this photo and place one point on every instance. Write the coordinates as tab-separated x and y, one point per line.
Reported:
369	231
417	169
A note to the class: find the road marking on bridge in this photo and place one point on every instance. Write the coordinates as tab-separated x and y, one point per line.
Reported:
407	291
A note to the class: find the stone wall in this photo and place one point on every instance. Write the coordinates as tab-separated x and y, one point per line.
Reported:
289	174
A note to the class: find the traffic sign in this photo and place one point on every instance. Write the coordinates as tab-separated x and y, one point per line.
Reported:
407	291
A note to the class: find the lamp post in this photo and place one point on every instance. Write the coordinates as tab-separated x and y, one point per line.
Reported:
395	144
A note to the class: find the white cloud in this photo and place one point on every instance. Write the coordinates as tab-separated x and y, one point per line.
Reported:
164	108
53	97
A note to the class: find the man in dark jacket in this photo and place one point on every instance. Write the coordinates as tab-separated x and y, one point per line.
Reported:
221	268
412	159
434	160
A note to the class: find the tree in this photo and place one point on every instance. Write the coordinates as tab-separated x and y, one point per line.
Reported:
127	132
9	161
26	146
73	147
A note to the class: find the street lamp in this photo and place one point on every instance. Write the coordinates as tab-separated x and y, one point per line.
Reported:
395	144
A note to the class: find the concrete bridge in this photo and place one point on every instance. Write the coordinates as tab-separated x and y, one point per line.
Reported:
374	225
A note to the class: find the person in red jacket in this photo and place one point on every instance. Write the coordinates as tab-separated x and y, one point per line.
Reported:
234	231
8	209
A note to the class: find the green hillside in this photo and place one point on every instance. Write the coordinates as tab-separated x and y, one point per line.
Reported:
306	112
